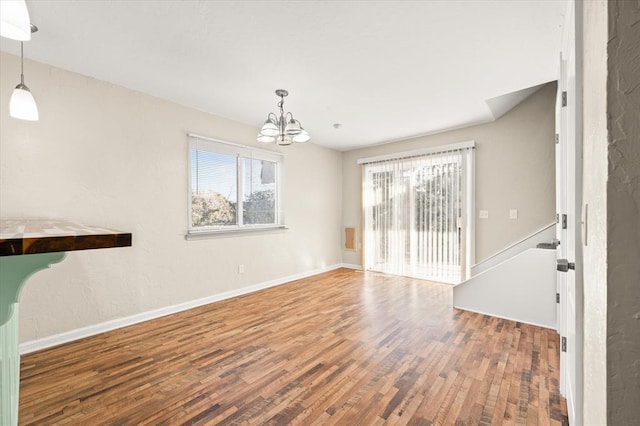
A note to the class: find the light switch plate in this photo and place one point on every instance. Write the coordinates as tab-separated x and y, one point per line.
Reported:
484	214
513	214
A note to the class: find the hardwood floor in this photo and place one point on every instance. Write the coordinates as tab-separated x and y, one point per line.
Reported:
344	347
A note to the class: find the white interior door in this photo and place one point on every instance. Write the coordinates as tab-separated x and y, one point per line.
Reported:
569	200
561	231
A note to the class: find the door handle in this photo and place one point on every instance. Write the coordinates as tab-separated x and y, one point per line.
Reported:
563	265
552	245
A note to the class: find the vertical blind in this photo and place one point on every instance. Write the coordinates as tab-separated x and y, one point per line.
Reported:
413	208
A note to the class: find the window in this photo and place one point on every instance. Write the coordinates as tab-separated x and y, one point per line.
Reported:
233	187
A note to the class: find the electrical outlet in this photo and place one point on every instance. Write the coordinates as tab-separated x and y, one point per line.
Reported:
513	214
241	269
484	214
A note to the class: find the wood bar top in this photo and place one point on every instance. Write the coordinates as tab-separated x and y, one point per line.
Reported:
31	236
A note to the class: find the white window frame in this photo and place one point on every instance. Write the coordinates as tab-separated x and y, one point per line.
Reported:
243	151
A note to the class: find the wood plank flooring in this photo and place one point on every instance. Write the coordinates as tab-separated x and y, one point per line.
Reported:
344	347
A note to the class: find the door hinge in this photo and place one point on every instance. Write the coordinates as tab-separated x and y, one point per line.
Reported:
557	217
557	138
557	297
564	221
564	344
564	98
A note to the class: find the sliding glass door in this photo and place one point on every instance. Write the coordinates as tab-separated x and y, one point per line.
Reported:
414	210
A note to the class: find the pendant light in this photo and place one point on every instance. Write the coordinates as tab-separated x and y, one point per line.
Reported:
283	129
14	20
22	105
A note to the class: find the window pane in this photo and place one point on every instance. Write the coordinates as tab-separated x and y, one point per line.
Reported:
259	197
214	189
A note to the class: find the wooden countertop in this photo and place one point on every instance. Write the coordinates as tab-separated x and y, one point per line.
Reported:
31	236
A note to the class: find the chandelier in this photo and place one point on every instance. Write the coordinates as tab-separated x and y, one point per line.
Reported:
283	130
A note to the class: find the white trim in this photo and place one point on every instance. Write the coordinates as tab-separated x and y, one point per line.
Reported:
418	152
351	266
230	230
92	330
469	215
206	138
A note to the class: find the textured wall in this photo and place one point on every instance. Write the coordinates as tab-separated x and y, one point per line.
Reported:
105	155
515	169
623	213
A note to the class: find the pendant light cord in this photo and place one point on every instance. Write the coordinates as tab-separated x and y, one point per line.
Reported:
21	63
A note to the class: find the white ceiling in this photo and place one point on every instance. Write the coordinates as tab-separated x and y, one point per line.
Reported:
385	70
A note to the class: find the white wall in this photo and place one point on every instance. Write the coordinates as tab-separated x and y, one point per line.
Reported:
515	158
109	156
543	236
522	288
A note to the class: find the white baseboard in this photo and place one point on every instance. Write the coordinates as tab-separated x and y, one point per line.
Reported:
506	318
80	333
351	266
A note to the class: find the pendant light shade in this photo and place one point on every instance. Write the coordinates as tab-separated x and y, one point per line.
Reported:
14	20
303	136
22	105
270	128
266	138
292	128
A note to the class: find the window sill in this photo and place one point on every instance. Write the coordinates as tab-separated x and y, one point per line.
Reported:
213	233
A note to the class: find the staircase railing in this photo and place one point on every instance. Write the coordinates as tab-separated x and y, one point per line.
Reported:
542	235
